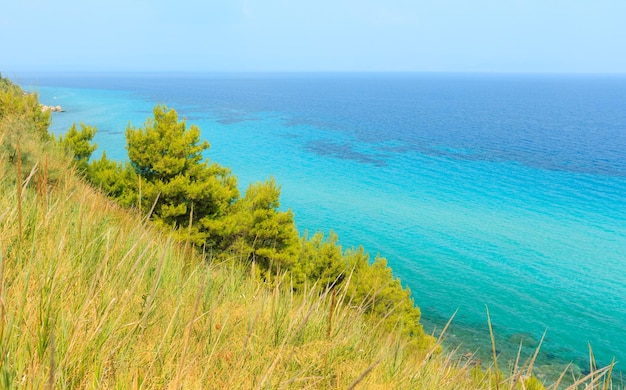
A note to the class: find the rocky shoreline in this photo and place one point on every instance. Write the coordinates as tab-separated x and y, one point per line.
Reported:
52	108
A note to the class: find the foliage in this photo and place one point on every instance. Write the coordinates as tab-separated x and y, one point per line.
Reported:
79	144
320	261
17	105
370	286
118	180
182	188
533	383
24	138
4	83
383	297
264	234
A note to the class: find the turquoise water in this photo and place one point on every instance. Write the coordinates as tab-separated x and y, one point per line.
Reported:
499	191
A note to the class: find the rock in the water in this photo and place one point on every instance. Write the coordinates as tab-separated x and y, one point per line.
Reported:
52	108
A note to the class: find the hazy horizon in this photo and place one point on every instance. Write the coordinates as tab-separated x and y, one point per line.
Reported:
277	36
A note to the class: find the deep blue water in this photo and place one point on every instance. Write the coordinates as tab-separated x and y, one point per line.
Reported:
499	190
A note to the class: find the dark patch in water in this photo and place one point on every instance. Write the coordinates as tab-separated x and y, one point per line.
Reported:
524	338
233	120
110	131
342	151
551	356
298	121
291	135
194	118
395	149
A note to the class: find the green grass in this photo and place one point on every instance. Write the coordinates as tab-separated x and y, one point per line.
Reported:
94	296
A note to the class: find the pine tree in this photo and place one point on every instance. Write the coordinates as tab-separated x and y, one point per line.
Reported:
187	192
320	261
262	232
116	179
79	144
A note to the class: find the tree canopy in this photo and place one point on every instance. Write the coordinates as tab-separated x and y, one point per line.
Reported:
23	108
176	181
79	144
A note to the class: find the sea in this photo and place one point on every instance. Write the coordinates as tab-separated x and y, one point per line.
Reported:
486	193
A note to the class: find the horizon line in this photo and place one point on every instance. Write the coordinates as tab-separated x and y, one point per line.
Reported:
295	72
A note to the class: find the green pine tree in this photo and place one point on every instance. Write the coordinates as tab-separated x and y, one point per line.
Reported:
79	144
262	232
176	181
320	260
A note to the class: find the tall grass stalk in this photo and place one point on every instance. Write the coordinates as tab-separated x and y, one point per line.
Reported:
18	184
493	350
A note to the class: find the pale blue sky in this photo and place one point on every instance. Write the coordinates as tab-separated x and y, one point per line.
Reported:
314	35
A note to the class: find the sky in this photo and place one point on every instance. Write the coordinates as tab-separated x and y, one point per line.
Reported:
563	36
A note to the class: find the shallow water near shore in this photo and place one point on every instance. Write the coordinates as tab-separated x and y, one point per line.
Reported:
506	191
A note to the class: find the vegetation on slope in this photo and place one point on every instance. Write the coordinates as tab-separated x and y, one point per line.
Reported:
94	295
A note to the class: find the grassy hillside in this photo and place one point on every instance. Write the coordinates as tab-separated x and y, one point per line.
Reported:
94	296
